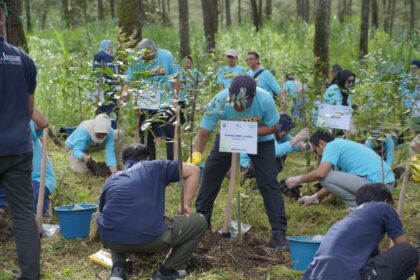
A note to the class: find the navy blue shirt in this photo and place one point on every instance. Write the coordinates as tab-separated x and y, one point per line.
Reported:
132	203
17	81
349	243
104	60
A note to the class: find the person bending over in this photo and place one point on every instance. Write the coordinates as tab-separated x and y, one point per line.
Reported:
132	208
345	166
350	249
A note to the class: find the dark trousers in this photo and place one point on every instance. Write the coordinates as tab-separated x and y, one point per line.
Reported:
182	237
397	263
15	178
265	169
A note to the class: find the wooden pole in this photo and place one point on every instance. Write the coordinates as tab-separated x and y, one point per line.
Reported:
179	155
403	188
228	208
41	193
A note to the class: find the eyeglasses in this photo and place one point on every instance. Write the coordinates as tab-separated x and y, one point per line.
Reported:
350	81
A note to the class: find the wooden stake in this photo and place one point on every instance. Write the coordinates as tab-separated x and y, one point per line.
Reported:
228	208
403	188
178	154
41	192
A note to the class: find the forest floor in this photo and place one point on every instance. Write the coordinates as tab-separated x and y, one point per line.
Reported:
216	258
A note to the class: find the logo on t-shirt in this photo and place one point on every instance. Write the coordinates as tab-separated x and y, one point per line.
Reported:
10	59
251	119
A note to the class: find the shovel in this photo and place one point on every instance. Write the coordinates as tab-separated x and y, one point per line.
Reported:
41	193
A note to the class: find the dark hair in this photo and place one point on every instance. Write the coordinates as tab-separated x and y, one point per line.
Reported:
135	152
289	77
189	57
255	54
373	192
336	67
320	135
341	80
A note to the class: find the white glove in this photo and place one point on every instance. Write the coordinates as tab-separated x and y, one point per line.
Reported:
303	134
309	199
293	181
304	147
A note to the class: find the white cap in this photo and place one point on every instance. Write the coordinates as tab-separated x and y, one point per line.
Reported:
147	44
101	124
232	53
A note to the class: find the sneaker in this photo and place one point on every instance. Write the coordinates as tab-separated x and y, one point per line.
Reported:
279	241
177	274
118	272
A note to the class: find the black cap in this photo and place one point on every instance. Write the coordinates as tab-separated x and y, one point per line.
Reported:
242	89
285	123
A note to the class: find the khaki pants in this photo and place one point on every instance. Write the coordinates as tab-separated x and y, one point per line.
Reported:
80	166
181	237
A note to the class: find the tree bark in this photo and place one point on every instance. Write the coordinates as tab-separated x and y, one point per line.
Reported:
300	8
14	26
269	9
239	12
129	12
214	10
306	15
412	15
364	29
392	16
209	31
228	13
375	21
112	8
101	14
28	15
142	12
256	15
65	12
184	28
349	11
322	39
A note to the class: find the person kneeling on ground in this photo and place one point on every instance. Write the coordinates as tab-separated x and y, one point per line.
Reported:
283	145
383	146
37	123
132	207
357	163
95	131
350	249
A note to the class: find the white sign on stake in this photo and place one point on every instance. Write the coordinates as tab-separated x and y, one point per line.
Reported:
334	116
238	137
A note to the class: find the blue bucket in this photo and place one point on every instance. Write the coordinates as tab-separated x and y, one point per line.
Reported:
75	223
302	251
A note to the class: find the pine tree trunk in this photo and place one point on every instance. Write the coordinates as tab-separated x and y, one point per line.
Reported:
112	8
228	13
214	9
306	14
14	26
255	15
239	12
101	14
364	29
184	28
269	9
412	15
129	19
142	12
349	11
375	21
209	31
300	8
28	15
322	39
392	16
66	12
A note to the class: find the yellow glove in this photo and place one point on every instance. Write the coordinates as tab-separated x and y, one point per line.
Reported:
197	158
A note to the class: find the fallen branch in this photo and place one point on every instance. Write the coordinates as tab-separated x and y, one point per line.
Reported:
262	258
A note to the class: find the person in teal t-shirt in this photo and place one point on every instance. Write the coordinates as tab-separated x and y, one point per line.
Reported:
154	68
284	144
339	93
263	77
243	101
294	94
383	146
227	73
37	123
345	166
410	86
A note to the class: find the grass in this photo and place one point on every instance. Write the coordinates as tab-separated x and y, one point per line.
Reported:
67	259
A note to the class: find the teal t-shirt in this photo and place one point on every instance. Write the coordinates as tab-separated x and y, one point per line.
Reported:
291	88
263	111
333	96
156	73
351	157
266	81
50	180
410	91
226	74
389	148
282	147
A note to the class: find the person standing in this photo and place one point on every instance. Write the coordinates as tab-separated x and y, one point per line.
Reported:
154	68
258	106
227	73
17	83
263	77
